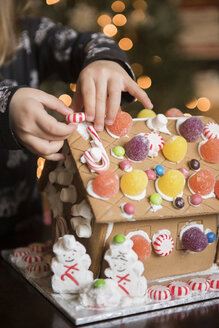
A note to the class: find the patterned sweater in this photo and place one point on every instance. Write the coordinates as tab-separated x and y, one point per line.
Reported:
46	51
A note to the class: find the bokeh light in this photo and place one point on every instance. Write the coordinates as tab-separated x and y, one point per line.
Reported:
157	59
73	87
119	20
192	104
140	4
51	2
110	30
203	104
103	20
66	99
40	166
125	44
144	82
137	68
118	6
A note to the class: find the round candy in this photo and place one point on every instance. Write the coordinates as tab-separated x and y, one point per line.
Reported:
216	189
20	252
137	148
209	150
39	270
119	151
179	288
134	183
195	200
211	236
159	293
119	239
163	244
179	202
173	112
151	174
38	248
146	113
199	284
99	283
194	164
31	258
121	126
171	184
106	184
211	130
156	199
141	246
160	170
202	182
156	142
129	208
191	129
185	172
125	165
175	149
214	281
194	240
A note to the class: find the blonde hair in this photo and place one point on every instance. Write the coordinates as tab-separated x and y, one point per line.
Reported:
9	27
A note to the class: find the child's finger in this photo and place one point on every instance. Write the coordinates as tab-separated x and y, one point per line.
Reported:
88	91
101	98
138	93
113	102
40	146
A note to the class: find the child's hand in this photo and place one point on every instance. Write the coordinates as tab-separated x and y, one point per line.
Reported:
99	88
35	129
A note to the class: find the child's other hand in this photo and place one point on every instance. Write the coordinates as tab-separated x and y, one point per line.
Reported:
35	129
99	88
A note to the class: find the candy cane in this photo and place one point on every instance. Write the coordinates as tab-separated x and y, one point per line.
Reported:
75	117
61	227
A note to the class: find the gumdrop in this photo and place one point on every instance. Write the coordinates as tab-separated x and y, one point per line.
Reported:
134	183
174	112
106	184
171	184
146	113
122	124
137	148
151	174
141	246
194	240
191	129
216	189
175	149
210	150
202	182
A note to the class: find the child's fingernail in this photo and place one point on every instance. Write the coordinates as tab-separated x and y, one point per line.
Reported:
89	118
109	122
98	127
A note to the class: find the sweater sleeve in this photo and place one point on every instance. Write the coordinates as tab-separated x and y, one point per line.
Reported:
7	138
63	52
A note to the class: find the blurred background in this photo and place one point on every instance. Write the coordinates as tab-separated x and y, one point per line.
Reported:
172	46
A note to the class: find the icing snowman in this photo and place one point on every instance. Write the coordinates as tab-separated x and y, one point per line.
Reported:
125	268
70	266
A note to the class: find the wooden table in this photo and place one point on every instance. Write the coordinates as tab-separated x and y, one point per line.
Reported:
22	306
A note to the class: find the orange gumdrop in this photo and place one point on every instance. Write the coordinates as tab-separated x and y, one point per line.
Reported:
141	246
202	182
122	124
174	112
210	151
106	184
216	189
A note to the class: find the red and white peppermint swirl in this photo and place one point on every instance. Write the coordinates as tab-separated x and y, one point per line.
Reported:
214	281
37	248
179	288
21	251
156	141
199	284
163	244
39	269
28	259
75	117
211	130
159	293
61	227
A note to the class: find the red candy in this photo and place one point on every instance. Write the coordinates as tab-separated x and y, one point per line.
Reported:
122	124
195	199
141	246
185	172
106	184
173	112
129	208
151	174
210	150
216	189
202	182
125	165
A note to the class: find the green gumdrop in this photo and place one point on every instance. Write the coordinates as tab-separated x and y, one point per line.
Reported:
119	239
119	151
99	283
156	199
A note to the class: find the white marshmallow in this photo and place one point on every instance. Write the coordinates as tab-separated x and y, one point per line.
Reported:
69	195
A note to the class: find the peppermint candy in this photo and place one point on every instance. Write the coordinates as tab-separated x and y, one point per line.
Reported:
21	251
38	270
199	284
159	293
179	288
31	258
75	118
214	281
38	248
211	130
163	244
156	142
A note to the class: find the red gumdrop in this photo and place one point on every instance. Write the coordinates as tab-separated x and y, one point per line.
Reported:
216	189
106	184
173	112
129	208
202	182
122	124
151	174
210	151
141	246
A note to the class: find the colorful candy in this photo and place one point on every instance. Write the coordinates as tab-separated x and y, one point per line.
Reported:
119	239
175	149
146	113
75	117
160	170
159	293
38	270
185	172
209	150
118	151
179	203
156	143
195	200
194	164
194	240
202	182
137	148
171	184
211	236
156	199
214	281
211	130
173	112
134	183
151	174
199	284
129	208
121	126
126	165
191	129
163	243
141	246
179	288
106	184
216	189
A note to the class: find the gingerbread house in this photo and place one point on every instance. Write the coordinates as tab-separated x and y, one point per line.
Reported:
95	221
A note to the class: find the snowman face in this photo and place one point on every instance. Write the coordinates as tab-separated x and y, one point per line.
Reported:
68	257
119	262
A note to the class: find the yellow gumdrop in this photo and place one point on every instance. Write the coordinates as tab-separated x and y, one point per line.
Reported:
146	113
171	183
134	183
175	149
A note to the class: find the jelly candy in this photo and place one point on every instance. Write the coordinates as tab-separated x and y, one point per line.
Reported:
151	174
194	164
202	182
134	183
122	124
173	112
146	113
216	189
194	240
141	246
210	150
171	183
106	184
175	149
195	200
185	172
191	129
129	208
137	148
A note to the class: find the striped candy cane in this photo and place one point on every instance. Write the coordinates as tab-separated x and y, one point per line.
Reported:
75	117
61	227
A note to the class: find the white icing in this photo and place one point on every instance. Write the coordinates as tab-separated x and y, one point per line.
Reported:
179	122
128	217
155	208
82	130
138	232
110	226
138	197
112	135
160	232
158	123
210	195
91	192
165	197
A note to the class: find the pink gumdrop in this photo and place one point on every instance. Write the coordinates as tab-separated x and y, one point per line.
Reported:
185	172
173	112
195	199
151	174
125	165
129	208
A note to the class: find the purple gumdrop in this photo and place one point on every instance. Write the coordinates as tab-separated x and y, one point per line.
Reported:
193	239
191	129
137	148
